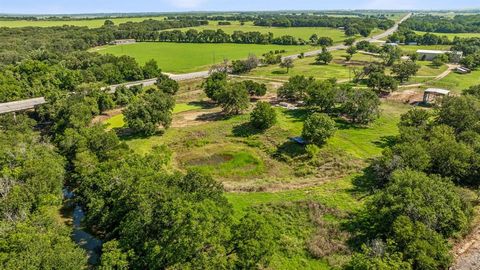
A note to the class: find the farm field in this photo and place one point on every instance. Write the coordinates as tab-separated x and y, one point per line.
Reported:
414	48
189	57
91	23
299	32
451	36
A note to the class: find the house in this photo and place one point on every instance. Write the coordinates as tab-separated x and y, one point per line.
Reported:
123	41
429	55
431	94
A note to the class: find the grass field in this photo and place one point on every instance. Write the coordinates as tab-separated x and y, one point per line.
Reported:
414	48
188	57
91	23
299	32
458	82
453	35
337	69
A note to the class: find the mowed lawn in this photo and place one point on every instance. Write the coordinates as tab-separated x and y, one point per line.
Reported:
189	57
337	69
91	23
457	82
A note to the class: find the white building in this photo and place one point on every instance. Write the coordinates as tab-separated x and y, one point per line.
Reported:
429	55
124	41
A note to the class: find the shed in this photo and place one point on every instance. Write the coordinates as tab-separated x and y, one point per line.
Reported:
124	41
431	94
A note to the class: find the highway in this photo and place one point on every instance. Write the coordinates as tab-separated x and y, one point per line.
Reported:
22	105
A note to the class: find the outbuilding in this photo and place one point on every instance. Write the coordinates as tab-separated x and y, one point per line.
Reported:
429	55
432	94
124	41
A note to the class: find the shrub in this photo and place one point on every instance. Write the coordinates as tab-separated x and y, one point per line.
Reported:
317	128
263	116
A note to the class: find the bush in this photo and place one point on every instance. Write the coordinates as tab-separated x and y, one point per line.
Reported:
317	128
263	116
255	89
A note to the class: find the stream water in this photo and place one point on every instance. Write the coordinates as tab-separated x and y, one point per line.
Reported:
83	239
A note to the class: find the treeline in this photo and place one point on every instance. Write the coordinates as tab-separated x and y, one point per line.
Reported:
241	18
416	207
63	39
409	36
219	36
443	24
352	25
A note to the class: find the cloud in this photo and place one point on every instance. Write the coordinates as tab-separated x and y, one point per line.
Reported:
186	3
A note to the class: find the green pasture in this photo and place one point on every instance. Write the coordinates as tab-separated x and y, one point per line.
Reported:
458	82
338	68
189	57
91	23
337	35
451	36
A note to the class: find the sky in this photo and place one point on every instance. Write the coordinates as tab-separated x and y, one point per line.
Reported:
112	6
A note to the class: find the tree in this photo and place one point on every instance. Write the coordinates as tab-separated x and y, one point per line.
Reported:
380	82
325	41
295	88
234	98
462	113
361	106
151	69
317	128
263	116
255	89
215	84
430	200
415	117
349	41
253	240
473	91
149	111
287	63
322	95
167	85
405	70
113	257
351	51
390	54
324	57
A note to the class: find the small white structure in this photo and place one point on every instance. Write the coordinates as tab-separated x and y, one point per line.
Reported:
123	41
429	55
431	94
462	70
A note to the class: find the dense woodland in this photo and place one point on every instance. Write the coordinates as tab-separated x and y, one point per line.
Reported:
444	24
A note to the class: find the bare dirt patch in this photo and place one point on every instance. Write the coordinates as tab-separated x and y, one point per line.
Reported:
467	252
106	115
